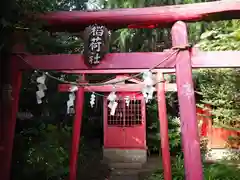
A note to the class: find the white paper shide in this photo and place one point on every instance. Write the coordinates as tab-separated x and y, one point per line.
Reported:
148	88
41	88
71	100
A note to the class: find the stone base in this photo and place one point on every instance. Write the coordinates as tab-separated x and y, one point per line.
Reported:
222	154
125	158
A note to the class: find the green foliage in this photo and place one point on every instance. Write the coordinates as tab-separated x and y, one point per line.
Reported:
133	40
220	87
221	36
153	132
45	151
174	135
211	171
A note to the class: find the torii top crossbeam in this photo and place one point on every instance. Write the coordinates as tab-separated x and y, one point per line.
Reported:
150	17
75	21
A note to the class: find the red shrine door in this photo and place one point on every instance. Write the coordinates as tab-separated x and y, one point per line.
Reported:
126	129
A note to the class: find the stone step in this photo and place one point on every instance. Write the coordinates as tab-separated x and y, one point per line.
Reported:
124	174
124	177
125	165
125	155
120	172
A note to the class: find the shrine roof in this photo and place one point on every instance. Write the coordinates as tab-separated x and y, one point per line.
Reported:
150	17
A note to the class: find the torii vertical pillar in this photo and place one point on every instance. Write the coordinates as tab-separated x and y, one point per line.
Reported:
187	105
10	110
76	133
163	121
10	98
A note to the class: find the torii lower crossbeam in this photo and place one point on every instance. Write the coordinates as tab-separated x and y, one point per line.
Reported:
128	61
117	87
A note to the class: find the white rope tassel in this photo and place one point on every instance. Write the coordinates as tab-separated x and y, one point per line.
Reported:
127	100
41	88
72	97
73	89
92	99
112	104
148	89
113	107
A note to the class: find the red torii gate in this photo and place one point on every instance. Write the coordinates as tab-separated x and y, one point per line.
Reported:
183	62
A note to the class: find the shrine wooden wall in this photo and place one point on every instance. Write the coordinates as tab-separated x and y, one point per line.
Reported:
218	138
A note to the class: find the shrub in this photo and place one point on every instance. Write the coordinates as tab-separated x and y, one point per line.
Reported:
211	171
41	152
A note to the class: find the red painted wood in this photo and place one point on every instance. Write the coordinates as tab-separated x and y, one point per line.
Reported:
105	124
203	127
210	123
117	71
111	61
208	115
163	16
128	62
206	128
118	88
76	134
217	137
162	114
136	135
187	106
122	137
114	136
220	138
215	59
10	122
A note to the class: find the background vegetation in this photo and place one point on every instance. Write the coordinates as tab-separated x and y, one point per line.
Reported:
211	171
